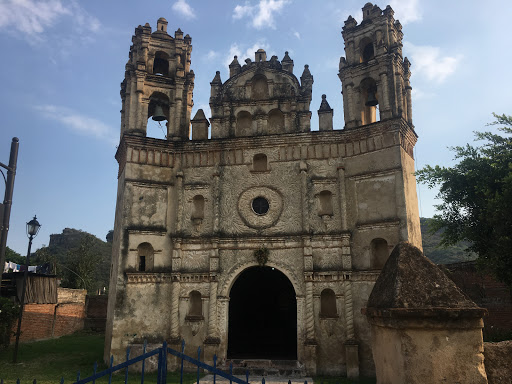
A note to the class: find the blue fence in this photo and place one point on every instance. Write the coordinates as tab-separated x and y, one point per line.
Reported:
161	353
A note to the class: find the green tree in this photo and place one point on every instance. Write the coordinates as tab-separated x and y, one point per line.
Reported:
476	199
82	265
14	256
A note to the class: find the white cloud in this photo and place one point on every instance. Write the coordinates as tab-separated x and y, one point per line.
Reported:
79	123
429	63
261	14
211	55
244	53
184	9
33	18
296	34
242	10
407	11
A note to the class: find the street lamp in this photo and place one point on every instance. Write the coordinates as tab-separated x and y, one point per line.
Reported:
32	229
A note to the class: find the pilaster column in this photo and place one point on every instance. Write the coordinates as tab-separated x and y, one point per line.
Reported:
175	305
213	334
212	312
351	344
310	318
216	200
305	211
310	345
351	122
408	89
349	310
342	199
399	99
385	109
179	188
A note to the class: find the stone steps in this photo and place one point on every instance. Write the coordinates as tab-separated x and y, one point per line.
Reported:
265	367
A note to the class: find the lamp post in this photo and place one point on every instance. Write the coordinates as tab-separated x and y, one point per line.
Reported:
32	229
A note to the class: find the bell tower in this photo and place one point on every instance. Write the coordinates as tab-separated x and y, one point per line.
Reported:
158	82
374	75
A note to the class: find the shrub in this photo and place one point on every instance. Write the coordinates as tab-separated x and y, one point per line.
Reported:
9	312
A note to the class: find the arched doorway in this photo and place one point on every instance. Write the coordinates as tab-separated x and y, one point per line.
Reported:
262	316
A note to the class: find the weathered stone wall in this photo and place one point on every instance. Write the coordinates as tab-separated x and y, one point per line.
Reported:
497	362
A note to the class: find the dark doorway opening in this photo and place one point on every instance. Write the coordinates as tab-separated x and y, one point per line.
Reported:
262	316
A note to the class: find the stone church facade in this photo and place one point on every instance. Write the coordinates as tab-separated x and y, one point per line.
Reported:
265	239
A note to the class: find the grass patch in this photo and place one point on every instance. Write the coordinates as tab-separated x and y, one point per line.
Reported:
49	360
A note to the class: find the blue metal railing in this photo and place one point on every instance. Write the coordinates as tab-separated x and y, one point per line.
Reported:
162	353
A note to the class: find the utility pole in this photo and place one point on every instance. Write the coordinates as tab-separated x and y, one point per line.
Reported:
5	208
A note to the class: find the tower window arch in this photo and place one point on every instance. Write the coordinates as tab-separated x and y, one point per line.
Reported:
275	121
366	50
325	203
369	99
243	123
145	256
161	64
379	253
328	303
158	113
259	162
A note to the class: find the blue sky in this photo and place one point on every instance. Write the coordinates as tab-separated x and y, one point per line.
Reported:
63	60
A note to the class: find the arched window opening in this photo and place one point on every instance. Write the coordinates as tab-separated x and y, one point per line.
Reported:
145	255
243	124
366	50
328	303
195	306
275	121
198	209
368	53
158	116
379	253
369	101
161	64
259	87
325	203
259	162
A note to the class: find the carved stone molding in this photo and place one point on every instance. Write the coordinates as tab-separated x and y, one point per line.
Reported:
251	218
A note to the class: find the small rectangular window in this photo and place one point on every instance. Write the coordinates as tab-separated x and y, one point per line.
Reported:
142	263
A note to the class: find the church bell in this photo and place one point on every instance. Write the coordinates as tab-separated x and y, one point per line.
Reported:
371	100
159	114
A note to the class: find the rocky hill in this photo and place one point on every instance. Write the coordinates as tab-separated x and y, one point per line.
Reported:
440	255
64	250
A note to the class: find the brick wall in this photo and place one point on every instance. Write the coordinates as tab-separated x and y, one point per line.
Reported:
486	292
96	310
44	321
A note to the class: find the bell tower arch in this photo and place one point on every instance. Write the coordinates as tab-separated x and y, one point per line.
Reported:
374	75
158	82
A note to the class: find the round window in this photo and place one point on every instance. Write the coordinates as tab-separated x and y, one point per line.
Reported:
260	205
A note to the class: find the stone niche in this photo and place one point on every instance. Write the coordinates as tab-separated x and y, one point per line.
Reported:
423	328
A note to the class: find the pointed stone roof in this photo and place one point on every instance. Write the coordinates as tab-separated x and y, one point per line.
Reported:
324	105
216	79
199	116
306	73
286	57
235	62
411	283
